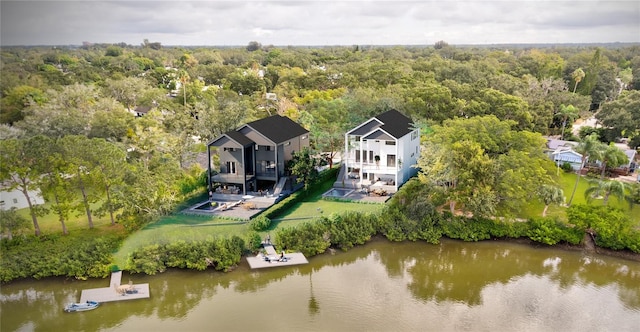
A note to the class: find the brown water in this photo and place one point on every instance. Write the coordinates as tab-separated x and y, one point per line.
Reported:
486	286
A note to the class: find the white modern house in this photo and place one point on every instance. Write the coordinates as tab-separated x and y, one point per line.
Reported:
381	153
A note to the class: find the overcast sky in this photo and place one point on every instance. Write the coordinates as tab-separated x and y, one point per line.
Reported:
300	22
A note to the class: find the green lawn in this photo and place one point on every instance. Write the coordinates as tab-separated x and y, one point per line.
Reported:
567	181
179	227
50	223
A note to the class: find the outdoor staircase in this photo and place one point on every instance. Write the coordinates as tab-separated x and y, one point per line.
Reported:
280	186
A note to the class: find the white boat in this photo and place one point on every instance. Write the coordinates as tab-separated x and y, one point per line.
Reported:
89	305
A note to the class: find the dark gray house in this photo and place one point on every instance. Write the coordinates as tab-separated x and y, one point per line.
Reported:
254	156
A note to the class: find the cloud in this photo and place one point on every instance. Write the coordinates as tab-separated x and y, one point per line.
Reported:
317	22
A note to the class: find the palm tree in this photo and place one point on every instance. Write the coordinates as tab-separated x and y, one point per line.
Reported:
577	76
589	145
550	195
605	189
613	157
566	113
633	196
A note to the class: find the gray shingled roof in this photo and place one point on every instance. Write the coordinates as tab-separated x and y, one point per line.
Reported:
238	137
395	123
278	128
235	136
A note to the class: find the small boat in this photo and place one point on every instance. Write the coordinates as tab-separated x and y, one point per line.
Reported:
89	305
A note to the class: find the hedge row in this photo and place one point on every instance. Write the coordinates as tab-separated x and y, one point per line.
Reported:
79	257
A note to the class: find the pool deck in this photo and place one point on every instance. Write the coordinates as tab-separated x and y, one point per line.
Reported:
260	261
110	294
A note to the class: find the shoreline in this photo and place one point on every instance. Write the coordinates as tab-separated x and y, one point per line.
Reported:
622	254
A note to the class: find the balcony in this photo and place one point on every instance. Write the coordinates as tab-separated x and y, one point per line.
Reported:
373	167
230	177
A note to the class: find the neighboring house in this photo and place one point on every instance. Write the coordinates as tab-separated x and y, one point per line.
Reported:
15	198
140	111
632	165
563	151
567	155
381	152
254	156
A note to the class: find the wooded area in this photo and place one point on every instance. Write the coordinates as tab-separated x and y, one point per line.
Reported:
115	129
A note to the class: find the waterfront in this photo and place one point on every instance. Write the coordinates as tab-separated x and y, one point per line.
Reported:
382	286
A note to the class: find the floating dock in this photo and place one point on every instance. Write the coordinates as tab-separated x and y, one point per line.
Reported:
116	291
273	259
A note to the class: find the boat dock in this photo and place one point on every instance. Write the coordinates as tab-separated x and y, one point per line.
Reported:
116	291
273	259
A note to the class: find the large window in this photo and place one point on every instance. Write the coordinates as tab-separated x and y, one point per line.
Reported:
231	167
391	160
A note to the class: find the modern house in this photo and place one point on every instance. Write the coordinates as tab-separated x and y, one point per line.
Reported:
253	157
381	153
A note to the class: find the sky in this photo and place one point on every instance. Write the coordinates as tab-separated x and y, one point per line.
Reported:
316	23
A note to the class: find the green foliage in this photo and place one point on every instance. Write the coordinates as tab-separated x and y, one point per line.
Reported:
260	223
303	166
284	205
81	257
254	241
612	227
221	254
467	229
311	238
551	231
350	228
12	223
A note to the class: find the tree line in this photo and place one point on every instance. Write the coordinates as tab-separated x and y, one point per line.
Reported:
67	113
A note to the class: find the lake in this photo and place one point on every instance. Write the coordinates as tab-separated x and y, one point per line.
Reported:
381	286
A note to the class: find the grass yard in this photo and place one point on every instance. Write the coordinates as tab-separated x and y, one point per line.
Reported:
50	224
316	207
567	181
179	227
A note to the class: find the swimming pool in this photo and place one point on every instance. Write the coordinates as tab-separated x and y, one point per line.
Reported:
337	192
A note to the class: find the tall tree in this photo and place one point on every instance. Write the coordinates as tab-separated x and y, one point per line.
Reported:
77	151
484	164
588	146
111	164
611	156
303	166
566	113
19	169
577	76
328	126
623	116
604	189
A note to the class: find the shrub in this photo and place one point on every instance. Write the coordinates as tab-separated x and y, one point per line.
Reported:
467	229
550	231
310	238
260	223
350	228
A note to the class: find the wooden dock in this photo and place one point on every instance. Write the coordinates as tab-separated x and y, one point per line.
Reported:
111	293
273	259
